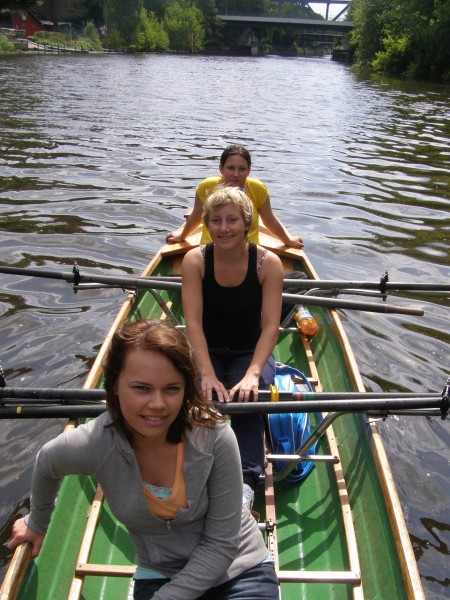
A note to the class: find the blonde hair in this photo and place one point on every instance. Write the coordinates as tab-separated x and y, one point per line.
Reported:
224	196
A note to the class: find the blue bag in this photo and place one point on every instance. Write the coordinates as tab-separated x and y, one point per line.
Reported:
288	431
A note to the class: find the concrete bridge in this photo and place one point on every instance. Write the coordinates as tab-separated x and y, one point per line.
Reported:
334	26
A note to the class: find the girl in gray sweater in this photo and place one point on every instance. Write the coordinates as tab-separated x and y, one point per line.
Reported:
170	470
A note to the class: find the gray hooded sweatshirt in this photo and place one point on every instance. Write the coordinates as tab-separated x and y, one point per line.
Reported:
211	541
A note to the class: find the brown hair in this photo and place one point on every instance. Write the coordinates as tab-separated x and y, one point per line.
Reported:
172	343
232	151
224	196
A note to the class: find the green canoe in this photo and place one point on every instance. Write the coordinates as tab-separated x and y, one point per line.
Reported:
340	534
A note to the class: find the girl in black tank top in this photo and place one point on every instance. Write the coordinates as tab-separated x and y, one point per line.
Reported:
231	294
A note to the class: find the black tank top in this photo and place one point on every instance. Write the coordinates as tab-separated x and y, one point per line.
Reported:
232	315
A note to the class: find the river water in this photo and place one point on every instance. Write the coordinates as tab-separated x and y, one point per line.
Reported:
99	158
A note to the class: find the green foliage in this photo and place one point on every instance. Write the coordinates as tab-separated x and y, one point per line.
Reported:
395	57
150	35
367	35
91	36
74	11
184	26
403	37
51	37
5	44
114	41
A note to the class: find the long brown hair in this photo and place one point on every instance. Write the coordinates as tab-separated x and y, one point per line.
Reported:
162	337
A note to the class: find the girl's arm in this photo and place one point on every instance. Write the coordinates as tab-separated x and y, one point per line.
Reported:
192	297
273	224
61	456
191	223
272	288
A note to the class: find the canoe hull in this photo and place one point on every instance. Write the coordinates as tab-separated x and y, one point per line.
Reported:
339	535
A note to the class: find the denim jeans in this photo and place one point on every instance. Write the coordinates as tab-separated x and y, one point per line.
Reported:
230	367
258	583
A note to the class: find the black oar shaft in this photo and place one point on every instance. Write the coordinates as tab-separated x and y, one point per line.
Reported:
125	282
298	283
161	284
350	304
57	394
329	284
97	395
337	406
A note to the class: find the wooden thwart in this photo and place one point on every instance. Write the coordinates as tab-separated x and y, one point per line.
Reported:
319	577
84	569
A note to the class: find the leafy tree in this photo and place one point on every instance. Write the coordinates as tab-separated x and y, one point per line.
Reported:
242	7
20	4
90	33
158	7
114	41
184	25
212	26
150	34
403	37
5	44
62	10
368	18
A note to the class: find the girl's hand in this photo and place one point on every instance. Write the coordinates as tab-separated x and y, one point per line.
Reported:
210	383
22	533
173	238
247	386
295	242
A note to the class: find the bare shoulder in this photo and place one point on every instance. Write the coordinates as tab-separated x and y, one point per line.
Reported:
269	256
271	265
193	256
192	262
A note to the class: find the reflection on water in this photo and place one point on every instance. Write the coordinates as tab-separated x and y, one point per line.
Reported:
99	158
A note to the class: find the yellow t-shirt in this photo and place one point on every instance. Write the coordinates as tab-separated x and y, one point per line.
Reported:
255	190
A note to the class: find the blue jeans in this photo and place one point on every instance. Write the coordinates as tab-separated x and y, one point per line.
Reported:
259	583
230	367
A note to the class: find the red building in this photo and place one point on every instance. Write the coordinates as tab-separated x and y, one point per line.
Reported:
22	19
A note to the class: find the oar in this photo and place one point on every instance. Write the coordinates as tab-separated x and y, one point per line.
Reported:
310	402
74	276
381	406
350	304
62	395
329	284
153	283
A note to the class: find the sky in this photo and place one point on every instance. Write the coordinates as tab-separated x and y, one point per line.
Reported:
321	9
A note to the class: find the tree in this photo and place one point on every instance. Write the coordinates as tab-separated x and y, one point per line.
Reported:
20	4
5	44
90	33
63	10
403	37
184	26
150	35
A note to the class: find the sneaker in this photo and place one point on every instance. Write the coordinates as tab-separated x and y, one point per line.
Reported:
248	497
